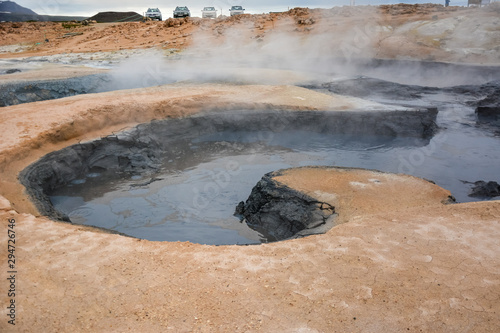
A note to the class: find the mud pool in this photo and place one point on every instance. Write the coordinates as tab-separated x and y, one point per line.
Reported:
195	199
209	164
196	202
192	197
156	180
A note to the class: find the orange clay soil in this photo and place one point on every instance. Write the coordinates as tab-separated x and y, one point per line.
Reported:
400	259
424	32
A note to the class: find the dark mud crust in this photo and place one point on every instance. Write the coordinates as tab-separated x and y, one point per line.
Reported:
41	90
488	108
486	99
486	190
145	149
284	213
364	87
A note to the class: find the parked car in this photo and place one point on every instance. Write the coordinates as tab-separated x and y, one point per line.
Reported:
237	10
209	12
154	14
181	12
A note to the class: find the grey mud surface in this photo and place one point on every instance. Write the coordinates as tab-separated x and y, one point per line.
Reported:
13	93
145	149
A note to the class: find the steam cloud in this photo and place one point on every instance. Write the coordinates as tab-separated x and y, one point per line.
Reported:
289	53
279	56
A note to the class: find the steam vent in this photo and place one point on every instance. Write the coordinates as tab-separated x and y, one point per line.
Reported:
307	176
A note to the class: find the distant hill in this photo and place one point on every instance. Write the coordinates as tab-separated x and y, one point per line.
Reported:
10	7
12	12
44	18
107	17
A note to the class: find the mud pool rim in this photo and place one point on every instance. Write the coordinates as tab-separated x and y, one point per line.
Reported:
136	151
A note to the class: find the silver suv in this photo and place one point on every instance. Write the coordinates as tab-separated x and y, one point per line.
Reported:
181	12
154	14
237	10
209	12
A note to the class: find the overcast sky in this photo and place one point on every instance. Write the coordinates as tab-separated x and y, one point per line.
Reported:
91	7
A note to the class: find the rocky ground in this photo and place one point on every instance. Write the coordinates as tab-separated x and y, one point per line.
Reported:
402	259
423	32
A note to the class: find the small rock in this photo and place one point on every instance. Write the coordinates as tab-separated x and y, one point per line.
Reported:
240	209
484	112
484	189
11	71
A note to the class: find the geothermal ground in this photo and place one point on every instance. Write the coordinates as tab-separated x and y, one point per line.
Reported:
402	253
